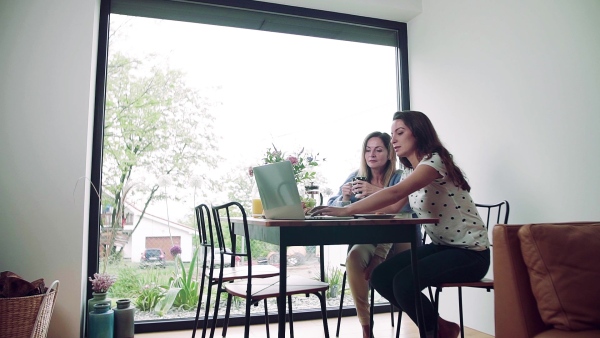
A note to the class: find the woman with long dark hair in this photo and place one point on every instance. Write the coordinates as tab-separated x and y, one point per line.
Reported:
435	187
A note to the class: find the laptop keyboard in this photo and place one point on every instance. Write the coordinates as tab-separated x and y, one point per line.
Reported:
327	217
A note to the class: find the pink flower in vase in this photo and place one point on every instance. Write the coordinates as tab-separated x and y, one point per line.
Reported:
293	159
102	282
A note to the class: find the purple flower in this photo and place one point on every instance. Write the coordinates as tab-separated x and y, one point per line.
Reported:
102	282
293	159
175	250
250	171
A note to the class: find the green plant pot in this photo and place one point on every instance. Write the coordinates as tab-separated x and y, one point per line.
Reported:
333	291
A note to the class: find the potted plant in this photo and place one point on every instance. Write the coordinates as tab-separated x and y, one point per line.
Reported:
333	276
100	285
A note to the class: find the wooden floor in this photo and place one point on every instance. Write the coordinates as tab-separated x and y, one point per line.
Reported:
350	328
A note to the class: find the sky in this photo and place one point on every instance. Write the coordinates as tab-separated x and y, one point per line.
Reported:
291	91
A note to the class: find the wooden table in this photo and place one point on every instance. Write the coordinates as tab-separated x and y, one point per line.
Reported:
286	233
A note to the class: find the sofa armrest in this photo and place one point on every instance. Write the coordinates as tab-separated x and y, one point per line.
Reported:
516	312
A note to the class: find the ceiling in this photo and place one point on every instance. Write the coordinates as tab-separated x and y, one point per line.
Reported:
394	10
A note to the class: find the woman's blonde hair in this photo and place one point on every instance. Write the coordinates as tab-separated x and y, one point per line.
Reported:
390	167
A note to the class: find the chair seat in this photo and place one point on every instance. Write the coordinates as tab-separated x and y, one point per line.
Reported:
241	272
269	287
485	283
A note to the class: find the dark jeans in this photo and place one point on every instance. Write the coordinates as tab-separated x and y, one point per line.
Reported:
393	279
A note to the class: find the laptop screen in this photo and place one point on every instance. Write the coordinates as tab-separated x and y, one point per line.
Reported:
278	191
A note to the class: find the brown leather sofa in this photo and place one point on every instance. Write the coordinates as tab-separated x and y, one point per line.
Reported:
547	279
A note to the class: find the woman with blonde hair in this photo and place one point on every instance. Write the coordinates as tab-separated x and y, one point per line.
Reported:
377	170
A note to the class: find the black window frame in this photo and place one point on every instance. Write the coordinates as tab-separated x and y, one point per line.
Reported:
98	136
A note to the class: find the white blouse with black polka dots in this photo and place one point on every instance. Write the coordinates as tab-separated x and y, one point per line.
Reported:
460	224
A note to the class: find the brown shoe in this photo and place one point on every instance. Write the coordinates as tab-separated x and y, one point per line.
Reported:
447	329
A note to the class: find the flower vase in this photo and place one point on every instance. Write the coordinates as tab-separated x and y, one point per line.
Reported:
333	291
97	298
101	323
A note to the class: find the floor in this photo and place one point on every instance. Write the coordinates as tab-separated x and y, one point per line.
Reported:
314	329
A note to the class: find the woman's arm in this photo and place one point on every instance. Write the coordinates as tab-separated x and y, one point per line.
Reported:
393	208
419	178
337	199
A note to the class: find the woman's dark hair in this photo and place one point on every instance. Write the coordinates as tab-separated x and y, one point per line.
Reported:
428	142
390	167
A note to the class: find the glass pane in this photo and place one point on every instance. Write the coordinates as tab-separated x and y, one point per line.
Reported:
189	108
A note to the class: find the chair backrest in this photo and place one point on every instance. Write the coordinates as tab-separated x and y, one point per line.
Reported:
207	238
494	213
230	245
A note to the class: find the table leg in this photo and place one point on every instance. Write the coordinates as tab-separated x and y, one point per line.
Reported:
322	261
281	301
415	270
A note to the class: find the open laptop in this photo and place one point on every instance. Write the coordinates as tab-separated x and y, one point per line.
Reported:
279	192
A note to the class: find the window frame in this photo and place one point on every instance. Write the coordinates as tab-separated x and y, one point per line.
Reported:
402	88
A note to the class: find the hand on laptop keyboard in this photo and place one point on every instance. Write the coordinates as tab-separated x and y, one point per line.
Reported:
316	210
330	211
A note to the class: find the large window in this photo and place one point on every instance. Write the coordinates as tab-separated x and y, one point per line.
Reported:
196	94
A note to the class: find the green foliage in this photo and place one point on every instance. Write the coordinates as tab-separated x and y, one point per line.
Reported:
166	302
150	295
237	302
149	288
301	163
262	249
157	126
187	298
127	284
309	202
115	258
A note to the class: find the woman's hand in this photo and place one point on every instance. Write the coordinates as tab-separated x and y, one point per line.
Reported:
364	189
346	192
375	261
329	211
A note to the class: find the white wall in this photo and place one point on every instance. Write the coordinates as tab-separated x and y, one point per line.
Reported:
47	71
513	89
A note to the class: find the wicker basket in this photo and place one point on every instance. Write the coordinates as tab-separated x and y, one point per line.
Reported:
27	317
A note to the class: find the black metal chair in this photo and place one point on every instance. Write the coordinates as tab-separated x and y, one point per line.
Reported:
253	289
208	243
492	212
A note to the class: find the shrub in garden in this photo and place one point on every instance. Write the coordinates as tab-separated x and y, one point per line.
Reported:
187	298
149	297
127	284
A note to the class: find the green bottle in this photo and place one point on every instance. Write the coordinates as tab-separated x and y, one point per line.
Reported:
101	321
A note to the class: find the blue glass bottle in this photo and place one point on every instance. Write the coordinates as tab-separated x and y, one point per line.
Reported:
97	298
102	322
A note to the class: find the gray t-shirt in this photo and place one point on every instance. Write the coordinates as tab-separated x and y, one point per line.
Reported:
460	224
